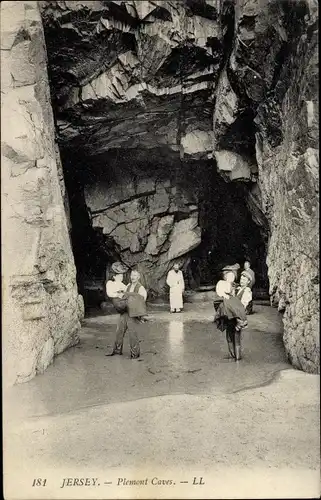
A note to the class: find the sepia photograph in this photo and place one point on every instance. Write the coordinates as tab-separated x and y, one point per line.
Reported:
160	249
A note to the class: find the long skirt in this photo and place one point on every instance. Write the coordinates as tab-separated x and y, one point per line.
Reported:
132	303
229	309
175	297
136	305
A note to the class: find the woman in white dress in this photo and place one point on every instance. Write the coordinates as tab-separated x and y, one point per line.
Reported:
175	281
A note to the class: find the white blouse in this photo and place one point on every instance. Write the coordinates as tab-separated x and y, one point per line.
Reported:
223	287
246	296
112	287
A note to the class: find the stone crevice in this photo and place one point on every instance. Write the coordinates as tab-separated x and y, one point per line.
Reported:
123	201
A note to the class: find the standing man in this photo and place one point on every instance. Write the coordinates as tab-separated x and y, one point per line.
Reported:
131	319
250	272
175	281
135	285
244	292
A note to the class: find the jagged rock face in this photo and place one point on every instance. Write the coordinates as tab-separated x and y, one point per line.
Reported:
147	75
41	305
143	75
288	157
284	99
174	82
153	220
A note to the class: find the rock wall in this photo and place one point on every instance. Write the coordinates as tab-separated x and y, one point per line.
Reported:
274	69
289	181
153	65
41	305
154	223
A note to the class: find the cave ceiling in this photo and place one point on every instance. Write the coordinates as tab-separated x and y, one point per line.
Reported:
134	75
170	80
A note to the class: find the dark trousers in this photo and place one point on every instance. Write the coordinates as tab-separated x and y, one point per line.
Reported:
233	337
249	308
131	324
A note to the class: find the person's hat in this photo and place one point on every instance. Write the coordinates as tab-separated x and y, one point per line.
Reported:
247	275
118	268
231	269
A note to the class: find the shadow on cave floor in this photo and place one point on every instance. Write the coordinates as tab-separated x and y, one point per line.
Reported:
180	354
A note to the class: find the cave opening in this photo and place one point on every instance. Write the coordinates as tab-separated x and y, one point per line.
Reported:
157	141
229	233
150	209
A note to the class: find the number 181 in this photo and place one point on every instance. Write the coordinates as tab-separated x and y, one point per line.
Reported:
39	482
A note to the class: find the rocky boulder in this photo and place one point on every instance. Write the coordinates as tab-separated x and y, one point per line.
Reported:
153	224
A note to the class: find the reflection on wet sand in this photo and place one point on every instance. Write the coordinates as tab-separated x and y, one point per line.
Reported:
179	354
176	335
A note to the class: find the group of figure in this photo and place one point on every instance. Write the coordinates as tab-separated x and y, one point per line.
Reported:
130	302
234	302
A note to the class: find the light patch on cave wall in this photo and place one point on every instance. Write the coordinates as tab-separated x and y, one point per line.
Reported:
152	222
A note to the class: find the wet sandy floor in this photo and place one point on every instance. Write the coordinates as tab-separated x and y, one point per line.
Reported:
180	354
184	405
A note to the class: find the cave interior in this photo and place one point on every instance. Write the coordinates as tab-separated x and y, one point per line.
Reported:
134	125
228	232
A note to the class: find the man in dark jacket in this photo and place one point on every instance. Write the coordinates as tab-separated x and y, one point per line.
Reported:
131	318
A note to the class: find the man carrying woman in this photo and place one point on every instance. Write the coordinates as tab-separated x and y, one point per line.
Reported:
130	302
230	314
